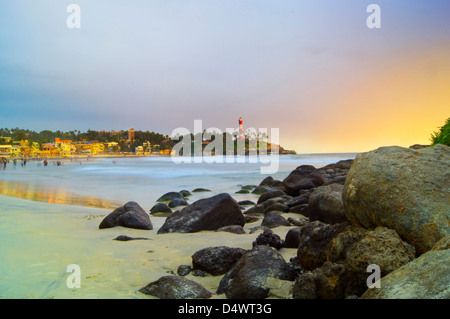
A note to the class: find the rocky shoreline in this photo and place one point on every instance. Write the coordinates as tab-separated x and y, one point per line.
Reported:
389	207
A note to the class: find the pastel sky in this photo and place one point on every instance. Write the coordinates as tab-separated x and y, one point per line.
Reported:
311	68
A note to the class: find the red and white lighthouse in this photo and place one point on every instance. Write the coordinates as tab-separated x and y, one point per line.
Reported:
241	129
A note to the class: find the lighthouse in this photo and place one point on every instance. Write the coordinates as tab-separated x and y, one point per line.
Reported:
241	129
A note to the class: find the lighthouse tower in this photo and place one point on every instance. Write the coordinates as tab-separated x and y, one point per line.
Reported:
241	129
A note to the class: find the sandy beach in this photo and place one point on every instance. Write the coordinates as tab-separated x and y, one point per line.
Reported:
54	236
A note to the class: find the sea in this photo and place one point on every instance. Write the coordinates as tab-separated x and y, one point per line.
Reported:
49	217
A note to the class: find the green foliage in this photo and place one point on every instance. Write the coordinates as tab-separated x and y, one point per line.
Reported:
443	136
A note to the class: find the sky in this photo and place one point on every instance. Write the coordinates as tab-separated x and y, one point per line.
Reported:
313	69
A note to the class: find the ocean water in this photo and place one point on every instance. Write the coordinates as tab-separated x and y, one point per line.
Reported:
49	219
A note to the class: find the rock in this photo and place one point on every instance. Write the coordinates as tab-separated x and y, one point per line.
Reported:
270	194
199	273
242	191
325	204
246	203
314	239
299	200
269	238
262	189
402	189
426	277
175	287
292	238
130	215
235	229
303	177
249	277
442	244
249	187
273	219
418	146
250	218
301	221
279	207
255	229
184	270
177	202
266	181
160	209
257	209
167	197
198	190
330	280
305	287
300	209
338	246
382	247
216	260
185	193
127	238
205	214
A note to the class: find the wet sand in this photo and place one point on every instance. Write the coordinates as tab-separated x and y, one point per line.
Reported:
39	240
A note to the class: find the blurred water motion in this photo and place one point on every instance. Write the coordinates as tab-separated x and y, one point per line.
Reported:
52	195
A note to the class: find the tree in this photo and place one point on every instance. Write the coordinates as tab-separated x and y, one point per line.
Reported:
443	136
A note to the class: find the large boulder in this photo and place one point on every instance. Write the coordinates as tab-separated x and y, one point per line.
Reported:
381	247
205	214
250	276
325	204
216	260
403	189
303	177
175	287
167	197
426	277
130	215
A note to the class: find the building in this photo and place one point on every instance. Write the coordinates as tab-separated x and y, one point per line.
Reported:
241	129
131	135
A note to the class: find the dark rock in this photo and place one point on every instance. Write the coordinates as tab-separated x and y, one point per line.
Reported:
301	221
175	287
314	239
262	189
235	229
299	200
242	191
325	204
184	270
250	276
273	219
303	177
185	193
250	218
246	203
205	214
305	287
255	229
300	209
199	273
269	238
266	181
270	194
279	207
257	209
216	260
198	190
161	209
127	238
130	215
167	197
292	238
177	202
